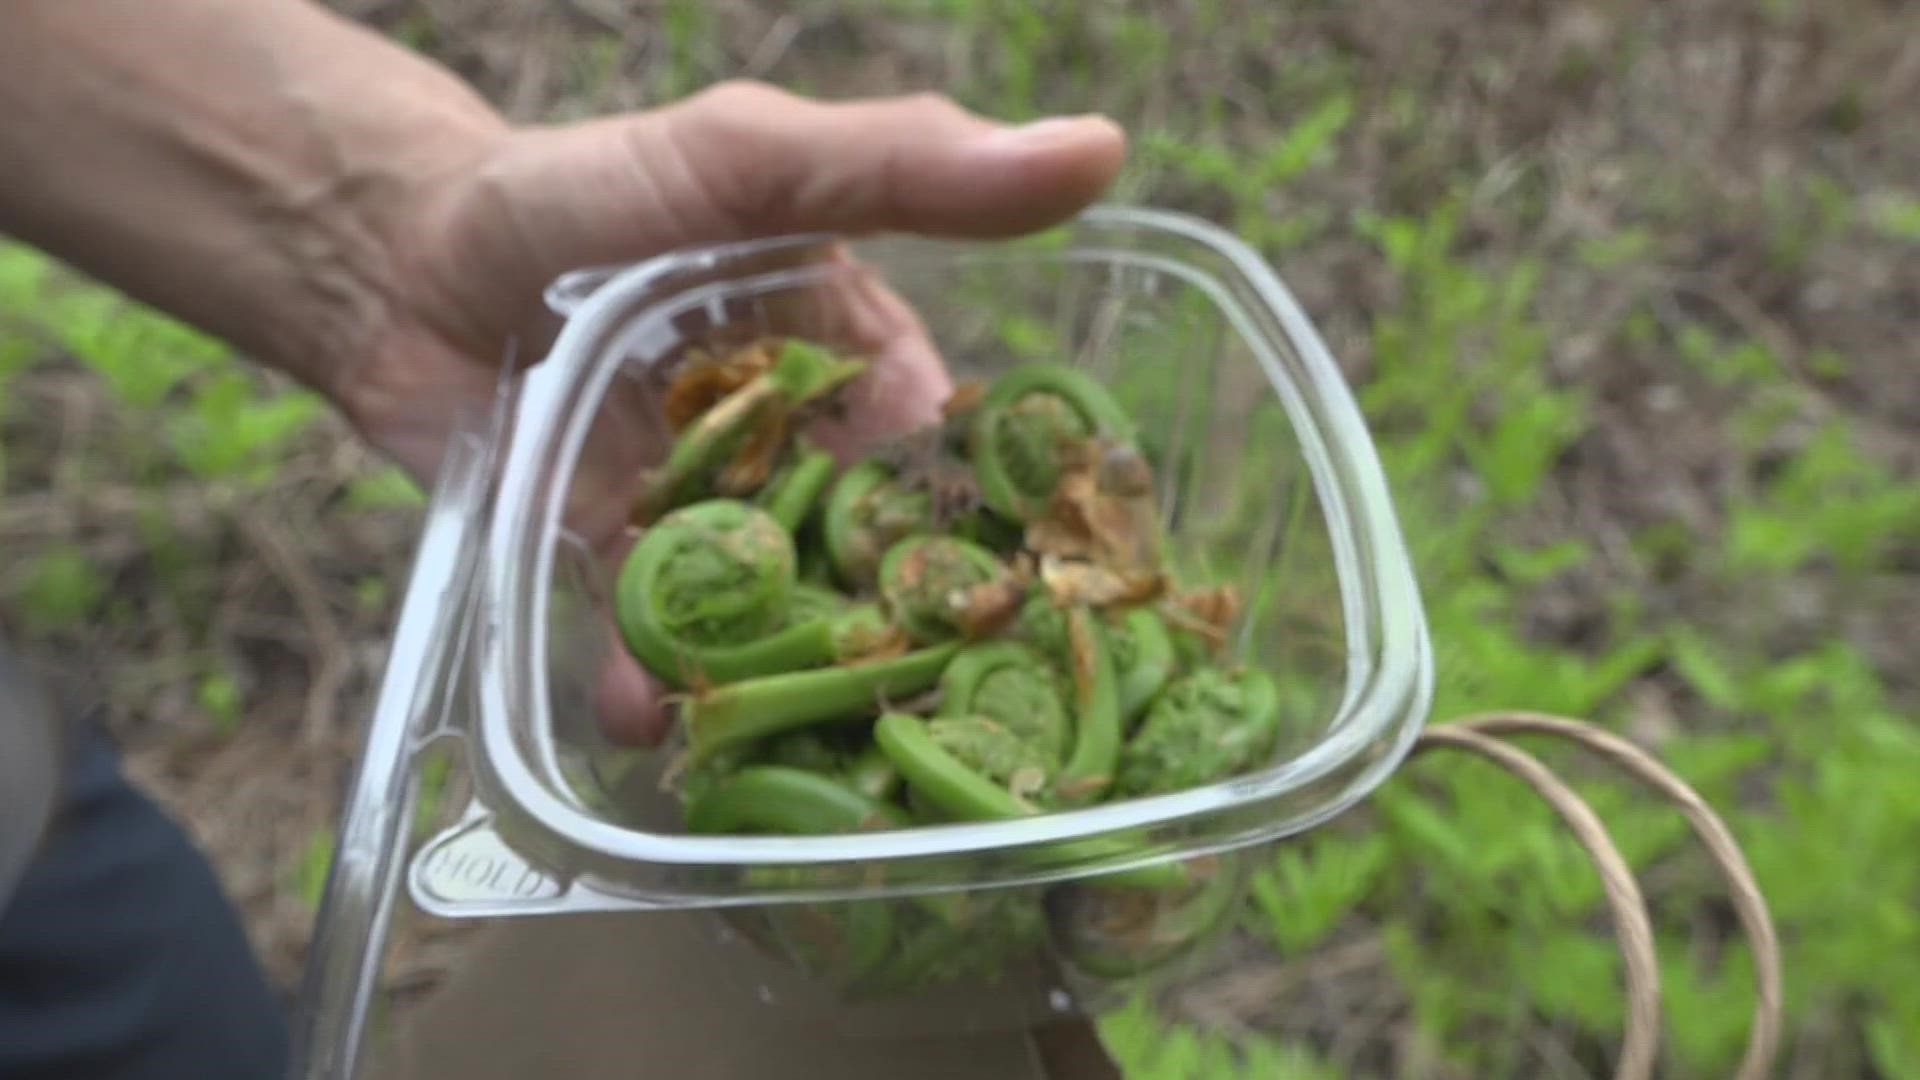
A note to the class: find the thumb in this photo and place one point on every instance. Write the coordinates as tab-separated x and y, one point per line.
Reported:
743	159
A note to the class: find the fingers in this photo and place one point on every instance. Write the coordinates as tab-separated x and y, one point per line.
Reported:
628	701
744	160
756	159
906	382
736	162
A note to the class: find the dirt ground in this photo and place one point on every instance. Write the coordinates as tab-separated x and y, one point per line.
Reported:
1573	120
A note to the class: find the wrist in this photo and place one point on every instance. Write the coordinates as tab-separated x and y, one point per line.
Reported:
365	174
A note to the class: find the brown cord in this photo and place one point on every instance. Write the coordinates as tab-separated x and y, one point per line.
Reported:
1749	903
1632	927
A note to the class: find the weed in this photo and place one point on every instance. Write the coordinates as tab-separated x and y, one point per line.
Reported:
1149	1049
316	860
62	588
1897	216
219	698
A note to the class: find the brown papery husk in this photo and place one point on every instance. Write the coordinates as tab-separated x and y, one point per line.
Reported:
1209	612
1099	542
705	379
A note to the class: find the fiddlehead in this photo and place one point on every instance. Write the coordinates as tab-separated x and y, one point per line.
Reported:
1042	624
920	482
942	587
1096	699
867	512
787	799
706	581
752	709
1015	686
1205	726
991	750
962	794
708	596
1093	650
730	448
795	490
1026	422
854	761
1143	655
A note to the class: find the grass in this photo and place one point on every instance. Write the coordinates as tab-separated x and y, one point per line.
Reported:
1637	351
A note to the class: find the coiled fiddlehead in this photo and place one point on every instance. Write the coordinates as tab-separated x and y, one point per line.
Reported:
942	587
867	512
1024	425
1206	725
1143	652
709	594
1015	686
962	794
703	583
996	753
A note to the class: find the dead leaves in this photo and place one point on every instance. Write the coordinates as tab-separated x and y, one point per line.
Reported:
704	379
1210	612
1099	542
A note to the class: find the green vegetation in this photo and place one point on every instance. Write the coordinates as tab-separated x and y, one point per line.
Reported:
1644	400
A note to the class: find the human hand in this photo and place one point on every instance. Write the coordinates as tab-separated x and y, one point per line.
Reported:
470	249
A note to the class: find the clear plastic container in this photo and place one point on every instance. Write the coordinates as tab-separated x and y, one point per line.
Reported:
1266	478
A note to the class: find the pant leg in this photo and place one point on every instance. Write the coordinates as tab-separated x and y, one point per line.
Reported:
120	956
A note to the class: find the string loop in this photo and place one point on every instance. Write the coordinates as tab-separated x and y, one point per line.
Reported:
1484	734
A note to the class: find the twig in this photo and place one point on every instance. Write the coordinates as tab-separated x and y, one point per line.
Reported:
1745	313
1554	1052
608	16
1355	1033
332	664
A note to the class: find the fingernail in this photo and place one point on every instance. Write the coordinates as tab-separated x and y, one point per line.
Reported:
1047	132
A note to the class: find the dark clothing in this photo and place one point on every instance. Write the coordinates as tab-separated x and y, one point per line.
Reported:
120	956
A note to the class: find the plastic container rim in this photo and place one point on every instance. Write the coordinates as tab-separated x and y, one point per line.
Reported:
1389	679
